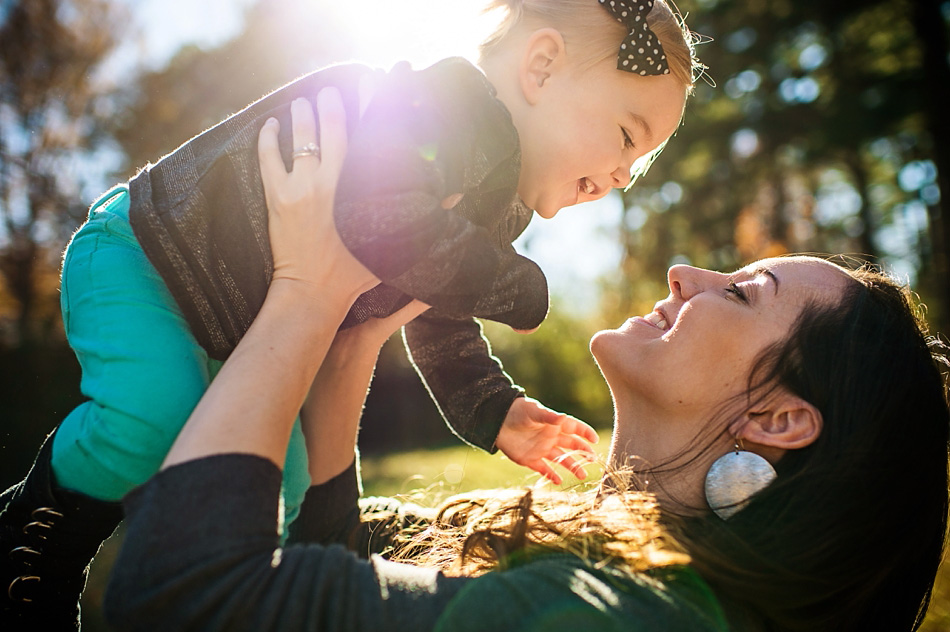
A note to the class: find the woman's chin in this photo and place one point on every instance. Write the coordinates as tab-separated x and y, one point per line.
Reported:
600	343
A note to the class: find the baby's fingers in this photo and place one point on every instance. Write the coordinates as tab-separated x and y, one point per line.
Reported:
546	471
575	444
574	426
571	464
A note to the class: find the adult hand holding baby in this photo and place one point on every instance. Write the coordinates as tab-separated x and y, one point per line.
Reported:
248	408
300	203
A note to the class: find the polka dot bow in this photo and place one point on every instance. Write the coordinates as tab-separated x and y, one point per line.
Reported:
640	52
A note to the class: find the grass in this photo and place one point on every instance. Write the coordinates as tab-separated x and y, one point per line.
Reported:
446	471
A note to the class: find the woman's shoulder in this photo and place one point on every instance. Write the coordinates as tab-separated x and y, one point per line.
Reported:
563	592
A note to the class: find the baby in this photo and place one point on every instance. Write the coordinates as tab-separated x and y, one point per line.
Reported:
444	169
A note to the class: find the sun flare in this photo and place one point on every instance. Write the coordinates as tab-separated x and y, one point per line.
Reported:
419	31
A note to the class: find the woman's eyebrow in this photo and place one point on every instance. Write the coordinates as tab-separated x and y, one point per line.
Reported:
758	271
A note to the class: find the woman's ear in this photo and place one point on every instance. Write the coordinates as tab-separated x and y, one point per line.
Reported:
787	423
543	55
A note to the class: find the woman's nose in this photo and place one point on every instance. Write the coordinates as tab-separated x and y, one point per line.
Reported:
686	281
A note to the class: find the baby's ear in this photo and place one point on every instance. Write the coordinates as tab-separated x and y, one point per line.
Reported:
543	54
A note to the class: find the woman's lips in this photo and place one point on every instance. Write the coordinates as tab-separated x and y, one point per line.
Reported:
650	321
658	320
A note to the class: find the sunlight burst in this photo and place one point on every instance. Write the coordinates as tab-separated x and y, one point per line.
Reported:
419	31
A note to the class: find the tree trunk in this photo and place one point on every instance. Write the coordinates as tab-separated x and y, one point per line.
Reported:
931	30
859	174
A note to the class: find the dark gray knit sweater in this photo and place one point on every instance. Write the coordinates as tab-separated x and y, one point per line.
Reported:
200	216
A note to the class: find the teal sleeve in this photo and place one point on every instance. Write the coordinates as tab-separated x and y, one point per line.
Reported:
561	593
142	369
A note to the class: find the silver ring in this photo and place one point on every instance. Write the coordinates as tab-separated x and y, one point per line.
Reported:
310	149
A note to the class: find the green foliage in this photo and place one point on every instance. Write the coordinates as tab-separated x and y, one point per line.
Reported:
200	87
806	142
554	365
52	112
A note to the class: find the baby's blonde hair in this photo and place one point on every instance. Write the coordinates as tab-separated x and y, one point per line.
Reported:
590	31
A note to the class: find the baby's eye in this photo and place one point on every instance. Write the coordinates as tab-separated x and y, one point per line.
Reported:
737	291
627	140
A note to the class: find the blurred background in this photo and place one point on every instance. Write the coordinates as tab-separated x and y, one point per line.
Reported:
819	127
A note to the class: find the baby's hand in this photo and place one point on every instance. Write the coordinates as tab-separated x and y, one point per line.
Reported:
533	434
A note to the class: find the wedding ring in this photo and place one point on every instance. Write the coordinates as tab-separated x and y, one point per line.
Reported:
310	149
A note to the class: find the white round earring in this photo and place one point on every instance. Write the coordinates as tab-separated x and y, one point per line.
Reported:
734	478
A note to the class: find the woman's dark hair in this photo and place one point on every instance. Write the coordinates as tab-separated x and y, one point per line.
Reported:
851	533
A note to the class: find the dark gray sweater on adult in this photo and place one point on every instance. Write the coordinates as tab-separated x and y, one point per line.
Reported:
201	552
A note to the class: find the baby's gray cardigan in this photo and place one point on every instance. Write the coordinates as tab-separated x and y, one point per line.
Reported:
426	136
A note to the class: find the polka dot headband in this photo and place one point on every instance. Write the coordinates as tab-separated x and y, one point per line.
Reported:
640	51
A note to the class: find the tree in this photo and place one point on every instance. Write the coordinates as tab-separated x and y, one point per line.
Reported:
931	28
200	87
815	138
52	110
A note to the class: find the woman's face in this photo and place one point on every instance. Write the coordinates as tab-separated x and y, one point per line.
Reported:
671	370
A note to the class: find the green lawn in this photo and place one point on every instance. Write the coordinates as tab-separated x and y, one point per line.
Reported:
437	473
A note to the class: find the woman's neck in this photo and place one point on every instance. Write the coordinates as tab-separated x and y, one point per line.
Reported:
655	452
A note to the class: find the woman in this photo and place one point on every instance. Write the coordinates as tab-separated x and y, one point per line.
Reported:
821	373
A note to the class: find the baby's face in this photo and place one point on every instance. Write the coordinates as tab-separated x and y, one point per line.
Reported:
584	133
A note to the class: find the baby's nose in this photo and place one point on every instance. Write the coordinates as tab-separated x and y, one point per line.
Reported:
620	178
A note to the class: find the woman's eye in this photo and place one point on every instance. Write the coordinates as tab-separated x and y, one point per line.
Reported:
737	291
627	140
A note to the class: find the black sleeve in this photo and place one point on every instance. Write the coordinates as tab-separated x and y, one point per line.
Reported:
466	382
329	511
334	513
201	552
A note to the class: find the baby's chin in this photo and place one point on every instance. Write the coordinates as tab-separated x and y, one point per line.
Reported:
546	209
546	201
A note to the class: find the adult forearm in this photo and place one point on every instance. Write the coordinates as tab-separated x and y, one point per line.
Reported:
334	405
218	516
251	405
333	408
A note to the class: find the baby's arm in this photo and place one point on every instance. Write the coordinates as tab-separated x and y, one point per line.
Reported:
482	405
467	383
